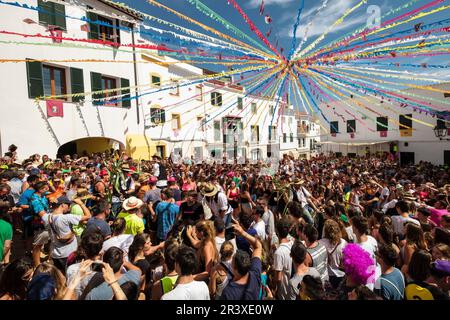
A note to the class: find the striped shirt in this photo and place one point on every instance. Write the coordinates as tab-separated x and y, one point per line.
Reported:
319	257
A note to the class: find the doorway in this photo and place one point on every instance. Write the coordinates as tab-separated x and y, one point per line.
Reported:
447	157
406	158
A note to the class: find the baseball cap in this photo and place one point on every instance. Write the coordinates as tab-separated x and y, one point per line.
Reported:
441	268
171	179
62	200
153	179
35	171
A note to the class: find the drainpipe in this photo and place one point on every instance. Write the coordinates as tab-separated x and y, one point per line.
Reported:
135	74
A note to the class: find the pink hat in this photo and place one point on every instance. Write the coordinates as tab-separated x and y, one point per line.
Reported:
171	179
153	179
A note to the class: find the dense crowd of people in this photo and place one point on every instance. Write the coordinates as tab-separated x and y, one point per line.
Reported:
107	227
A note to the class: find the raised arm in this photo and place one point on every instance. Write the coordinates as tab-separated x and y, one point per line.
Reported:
254	242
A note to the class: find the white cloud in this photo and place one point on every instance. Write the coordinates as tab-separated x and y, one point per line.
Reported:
326	17
257	3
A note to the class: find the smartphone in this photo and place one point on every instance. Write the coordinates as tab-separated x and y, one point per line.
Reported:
229	233
97	266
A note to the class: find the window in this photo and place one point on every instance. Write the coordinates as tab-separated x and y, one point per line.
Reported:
54	81
382	123
176	90
272	133
199	93
100	82
155	80
217	133
216	99
103	28
334	127
176	121
157	115
405	122
255	133
253	107
76	83
240	103
292	137
52	14
351	126
284	137
109	84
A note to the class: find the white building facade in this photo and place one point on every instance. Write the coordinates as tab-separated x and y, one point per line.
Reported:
82	124
207	120
402	129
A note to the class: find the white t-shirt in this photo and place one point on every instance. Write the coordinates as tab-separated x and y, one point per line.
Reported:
350	234
122	241
334	256
195	290
269	221
221	204
260	228
371	246
220	241
398	223
283	262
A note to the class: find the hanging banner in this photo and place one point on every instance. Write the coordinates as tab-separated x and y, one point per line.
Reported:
54	108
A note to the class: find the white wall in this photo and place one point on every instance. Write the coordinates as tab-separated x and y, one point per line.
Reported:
21	122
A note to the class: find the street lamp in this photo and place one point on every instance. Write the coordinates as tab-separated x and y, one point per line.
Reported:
440	132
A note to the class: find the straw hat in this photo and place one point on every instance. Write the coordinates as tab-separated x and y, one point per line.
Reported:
298	181
209	190
83	194
132	203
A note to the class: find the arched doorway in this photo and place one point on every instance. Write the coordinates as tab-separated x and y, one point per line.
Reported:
89	146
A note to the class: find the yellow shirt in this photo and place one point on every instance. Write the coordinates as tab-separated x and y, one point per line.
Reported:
134	224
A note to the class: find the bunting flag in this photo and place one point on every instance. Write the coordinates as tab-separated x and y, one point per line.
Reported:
361	75
54	108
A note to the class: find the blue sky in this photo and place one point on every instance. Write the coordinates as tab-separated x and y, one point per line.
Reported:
283	14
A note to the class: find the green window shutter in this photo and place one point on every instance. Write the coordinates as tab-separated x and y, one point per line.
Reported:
125	83
96	85
77	83
117	31
45	17
60	15
34	76
93	28
163	115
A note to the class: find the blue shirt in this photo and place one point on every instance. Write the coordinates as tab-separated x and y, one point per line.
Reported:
243	244
25	200
39	204
249	291
165	214
392	285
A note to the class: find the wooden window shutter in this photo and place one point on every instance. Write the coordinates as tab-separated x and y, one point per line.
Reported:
45	17
60	15
77	83
34	77
125	83
93	28
118	31
96	85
